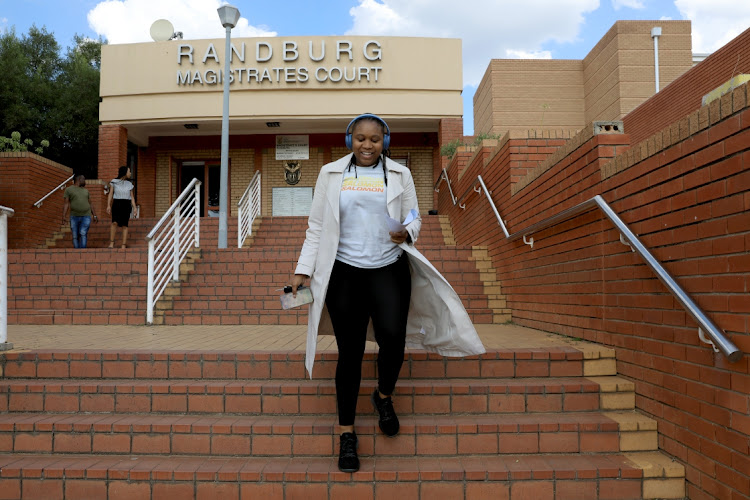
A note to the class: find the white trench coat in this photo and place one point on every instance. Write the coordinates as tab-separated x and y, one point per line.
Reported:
437	321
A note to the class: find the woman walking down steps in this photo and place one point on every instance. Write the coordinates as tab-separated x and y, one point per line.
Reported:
369	283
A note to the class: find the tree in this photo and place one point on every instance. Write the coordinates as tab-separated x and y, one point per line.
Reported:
45	96
33	63
78	106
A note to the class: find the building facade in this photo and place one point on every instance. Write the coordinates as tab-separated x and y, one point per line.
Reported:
290	102
614	78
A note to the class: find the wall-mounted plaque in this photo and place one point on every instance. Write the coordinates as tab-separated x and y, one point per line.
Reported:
292	201
292	147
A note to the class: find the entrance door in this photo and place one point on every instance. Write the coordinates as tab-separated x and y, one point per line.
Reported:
213	174
209	173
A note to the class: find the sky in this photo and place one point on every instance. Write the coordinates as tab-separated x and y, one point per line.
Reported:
489	29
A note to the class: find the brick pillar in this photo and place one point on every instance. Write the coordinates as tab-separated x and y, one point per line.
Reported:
449	129
113	150
147	181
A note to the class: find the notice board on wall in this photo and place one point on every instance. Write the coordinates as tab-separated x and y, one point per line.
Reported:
292	201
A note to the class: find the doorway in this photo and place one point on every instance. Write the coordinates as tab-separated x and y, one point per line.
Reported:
209	173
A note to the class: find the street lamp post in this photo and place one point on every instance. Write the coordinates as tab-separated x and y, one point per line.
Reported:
229	15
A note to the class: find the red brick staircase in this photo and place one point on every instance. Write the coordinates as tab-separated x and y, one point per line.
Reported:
537	423
241	286
99	285
522	423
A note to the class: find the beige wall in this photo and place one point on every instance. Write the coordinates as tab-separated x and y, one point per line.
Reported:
619	70
242	168
613	79
420	163
529	94
417	77
273	175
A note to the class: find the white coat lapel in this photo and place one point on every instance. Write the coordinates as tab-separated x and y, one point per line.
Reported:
393	190
333	193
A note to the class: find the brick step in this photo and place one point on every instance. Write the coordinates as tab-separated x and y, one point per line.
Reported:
77	280
211	318
206	317
273	231
296	239
616	475
316	397
270	317
297	436
281	254
175	365
203	302
77	317
270	282
44	261
98	235
82	303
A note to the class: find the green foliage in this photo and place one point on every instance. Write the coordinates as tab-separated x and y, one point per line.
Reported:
450	148
481	137
44	94
14	144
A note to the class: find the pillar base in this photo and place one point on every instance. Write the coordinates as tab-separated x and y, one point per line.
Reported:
6	346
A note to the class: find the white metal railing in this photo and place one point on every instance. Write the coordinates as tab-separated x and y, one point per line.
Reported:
248	209
60	187
5	212
444	177
169	242
718	339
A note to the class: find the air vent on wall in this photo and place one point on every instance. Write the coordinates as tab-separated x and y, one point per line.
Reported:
273	124
191	126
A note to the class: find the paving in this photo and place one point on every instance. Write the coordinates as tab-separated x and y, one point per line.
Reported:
245	338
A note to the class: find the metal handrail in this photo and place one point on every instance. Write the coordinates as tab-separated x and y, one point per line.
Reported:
717	337
62	185
444	177
168	247
5	212
248	209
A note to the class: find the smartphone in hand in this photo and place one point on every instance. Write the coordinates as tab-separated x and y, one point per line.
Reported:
289	301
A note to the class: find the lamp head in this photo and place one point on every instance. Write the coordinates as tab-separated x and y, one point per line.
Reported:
229	15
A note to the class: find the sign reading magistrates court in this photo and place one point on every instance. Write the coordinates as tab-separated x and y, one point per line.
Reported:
317	61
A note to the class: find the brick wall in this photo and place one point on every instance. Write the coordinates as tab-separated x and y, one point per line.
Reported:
24	179
686	192
146	182
449	129
684	94
250	153
113	150
524	94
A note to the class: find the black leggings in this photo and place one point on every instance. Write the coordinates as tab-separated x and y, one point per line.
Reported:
354	296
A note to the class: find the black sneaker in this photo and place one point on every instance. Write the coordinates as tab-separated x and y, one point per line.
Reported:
348	460
388	421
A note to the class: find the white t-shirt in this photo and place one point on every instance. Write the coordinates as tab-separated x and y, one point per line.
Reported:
364	240
122	189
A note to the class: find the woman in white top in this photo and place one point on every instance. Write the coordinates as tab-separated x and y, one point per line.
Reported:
364	276
120	204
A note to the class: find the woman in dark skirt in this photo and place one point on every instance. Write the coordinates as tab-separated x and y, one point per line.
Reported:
120	203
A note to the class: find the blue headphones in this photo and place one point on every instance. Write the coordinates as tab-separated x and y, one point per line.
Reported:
386	137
